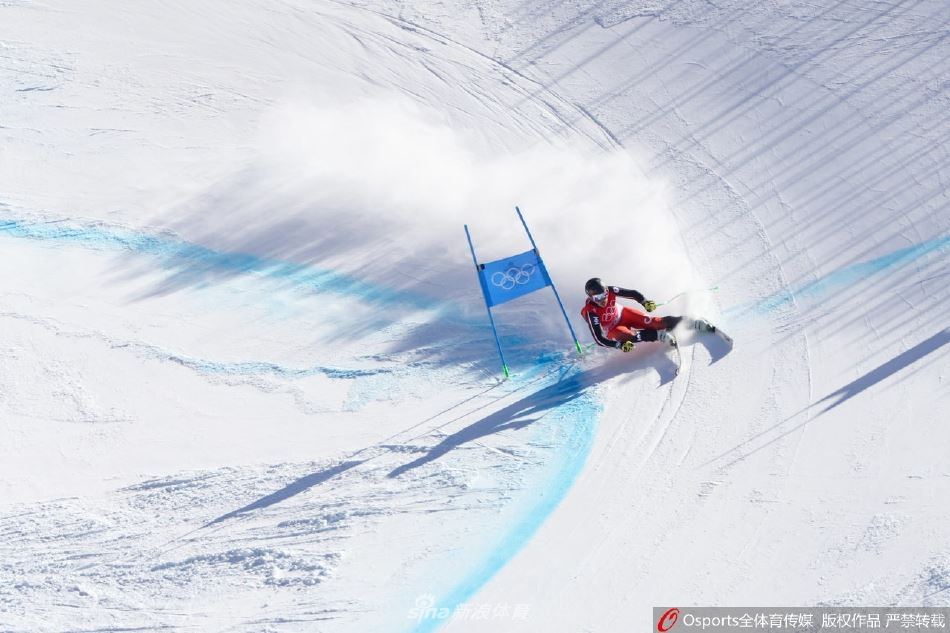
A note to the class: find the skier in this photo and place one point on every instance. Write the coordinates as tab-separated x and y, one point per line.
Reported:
622	327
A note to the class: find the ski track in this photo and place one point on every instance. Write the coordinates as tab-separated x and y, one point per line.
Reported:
553	103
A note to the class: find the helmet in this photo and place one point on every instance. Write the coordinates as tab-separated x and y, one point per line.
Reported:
594	286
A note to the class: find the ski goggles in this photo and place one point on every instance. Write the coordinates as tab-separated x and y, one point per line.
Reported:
601	297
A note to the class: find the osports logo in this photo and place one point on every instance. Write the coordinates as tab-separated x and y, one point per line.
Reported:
513	277
667	620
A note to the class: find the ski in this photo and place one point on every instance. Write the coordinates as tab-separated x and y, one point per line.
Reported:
702	325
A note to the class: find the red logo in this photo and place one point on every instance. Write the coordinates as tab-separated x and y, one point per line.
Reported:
667	620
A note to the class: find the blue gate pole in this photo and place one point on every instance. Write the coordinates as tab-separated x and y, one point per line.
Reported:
491	319
556	295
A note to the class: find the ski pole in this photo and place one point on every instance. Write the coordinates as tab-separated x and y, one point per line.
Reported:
674	298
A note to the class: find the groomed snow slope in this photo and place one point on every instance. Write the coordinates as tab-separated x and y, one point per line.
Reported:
248	383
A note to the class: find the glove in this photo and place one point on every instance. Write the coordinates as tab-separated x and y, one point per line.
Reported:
627	346
649	305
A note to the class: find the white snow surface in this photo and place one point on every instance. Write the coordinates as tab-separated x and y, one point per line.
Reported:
248	381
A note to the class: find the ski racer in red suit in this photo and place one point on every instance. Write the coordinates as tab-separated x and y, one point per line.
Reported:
621	327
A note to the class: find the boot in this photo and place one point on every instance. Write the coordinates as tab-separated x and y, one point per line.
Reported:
665	336
702	325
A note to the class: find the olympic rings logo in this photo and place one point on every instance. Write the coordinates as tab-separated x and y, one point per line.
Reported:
513	277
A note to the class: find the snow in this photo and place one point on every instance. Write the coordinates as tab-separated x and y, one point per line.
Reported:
249	384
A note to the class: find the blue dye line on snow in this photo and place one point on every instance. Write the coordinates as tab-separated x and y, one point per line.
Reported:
579	415
250	368
193	264
846	276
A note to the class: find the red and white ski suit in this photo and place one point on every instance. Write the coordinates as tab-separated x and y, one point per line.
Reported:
611	324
